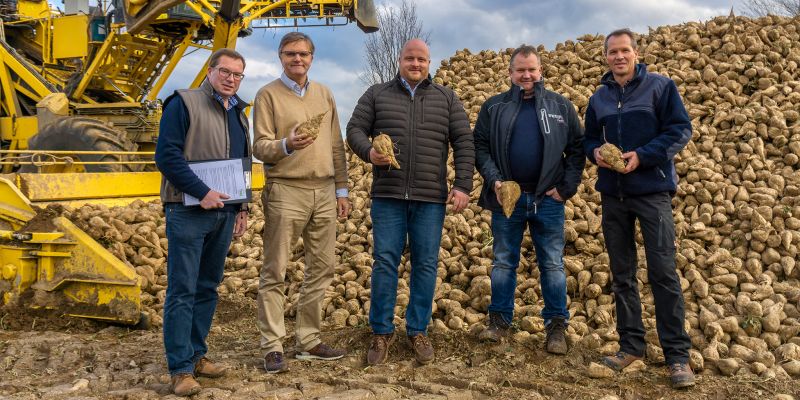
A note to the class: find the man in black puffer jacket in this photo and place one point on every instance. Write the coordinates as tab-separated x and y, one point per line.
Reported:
423	119
532	136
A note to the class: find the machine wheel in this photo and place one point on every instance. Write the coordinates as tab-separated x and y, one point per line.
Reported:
83	134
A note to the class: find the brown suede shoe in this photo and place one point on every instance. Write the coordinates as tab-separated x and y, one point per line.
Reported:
379	349
274	363
185	385
496	329
619	361
207	368
320	352
423	349
681	375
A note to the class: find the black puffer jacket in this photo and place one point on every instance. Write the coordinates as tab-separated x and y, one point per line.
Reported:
421	128
563	160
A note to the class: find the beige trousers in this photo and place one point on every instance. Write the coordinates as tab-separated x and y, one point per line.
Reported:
290	212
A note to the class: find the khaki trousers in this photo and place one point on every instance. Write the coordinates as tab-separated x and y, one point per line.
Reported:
290	212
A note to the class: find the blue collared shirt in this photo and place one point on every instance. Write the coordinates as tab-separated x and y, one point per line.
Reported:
408	86
297	89
232	102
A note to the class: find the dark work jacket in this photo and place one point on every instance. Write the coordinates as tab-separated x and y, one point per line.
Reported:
563	159
646	116
422	128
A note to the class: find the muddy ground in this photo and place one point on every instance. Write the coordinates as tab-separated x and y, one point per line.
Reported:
46	357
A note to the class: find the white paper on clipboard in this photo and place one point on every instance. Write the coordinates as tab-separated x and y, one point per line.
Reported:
224	176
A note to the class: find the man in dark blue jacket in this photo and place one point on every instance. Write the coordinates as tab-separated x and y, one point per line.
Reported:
532	136
642	114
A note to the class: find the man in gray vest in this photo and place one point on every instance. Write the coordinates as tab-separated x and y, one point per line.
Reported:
207	123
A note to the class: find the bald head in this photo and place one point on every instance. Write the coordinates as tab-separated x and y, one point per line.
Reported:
415	60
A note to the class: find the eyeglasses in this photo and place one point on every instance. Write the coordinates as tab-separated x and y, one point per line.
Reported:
226	73
292	54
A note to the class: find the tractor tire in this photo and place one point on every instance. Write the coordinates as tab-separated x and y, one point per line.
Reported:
85	134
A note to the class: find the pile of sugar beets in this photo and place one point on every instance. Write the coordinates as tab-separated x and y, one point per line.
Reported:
737	209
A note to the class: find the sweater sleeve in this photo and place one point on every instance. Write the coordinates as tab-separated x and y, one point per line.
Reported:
169	149
462	144
265	145
337	143
360	125
675	130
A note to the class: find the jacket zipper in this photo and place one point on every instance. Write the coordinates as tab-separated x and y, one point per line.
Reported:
411	148
619	136
544	127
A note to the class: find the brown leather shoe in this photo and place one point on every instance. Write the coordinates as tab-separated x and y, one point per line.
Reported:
207	368
185	385
423	349
496	329
681	375
619	361
379	349
556	342
320	352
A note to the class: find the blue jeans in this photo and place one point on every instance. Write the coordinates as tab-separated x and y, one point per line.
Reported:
198	243
546	224
393	221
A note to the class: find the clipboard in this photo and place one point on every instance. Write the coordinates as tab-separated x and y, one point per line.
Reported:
230	176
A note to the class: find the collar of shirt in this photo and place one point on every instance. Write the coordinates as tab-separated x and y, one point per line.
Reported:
408	86
232	102
297	89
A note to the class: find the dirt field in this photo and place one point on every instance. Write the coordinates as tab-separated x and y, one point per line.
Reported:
43	357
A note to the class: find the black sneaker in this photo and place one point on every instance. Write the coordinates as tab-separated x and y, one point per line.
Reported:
496	329
556	342
274	363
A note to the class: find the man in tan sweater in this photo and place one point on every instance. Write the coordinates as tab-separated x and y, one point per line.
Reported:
306	188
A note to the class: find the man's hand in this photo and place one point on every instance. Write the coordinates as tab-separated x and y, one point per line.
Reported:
497	185
240	225
600	161
377	158
298	142
554	194
213	200
343	207
631	161
459	200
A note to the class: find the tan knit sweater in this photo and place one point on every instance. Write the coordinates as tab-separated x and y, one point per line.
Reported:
277	109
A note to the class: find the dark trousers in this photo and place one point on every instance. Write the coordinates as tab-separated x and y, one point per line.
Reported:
654	212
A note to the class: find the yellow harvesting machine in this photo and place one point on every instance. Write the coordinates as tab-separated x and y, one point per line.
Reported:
79	118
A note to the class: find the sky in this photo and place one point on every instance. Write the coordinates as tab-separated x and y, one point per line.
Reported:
453	25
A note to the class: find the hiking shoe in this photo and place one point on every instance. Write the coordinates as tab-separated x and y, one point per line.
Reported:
619	361
556	342
423	349
207	368
274	363
681	375
496	329
320	352
379	349
185	385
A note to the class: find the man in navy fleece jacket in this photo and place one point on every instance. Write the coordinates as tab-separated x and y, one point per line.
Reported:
642	114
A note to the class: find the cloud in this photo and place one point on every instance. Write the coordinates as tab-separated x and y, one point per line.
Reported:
458	24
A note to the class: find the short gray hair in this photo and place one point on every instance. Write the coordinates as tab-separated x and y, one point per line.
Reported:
620	32
292	37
